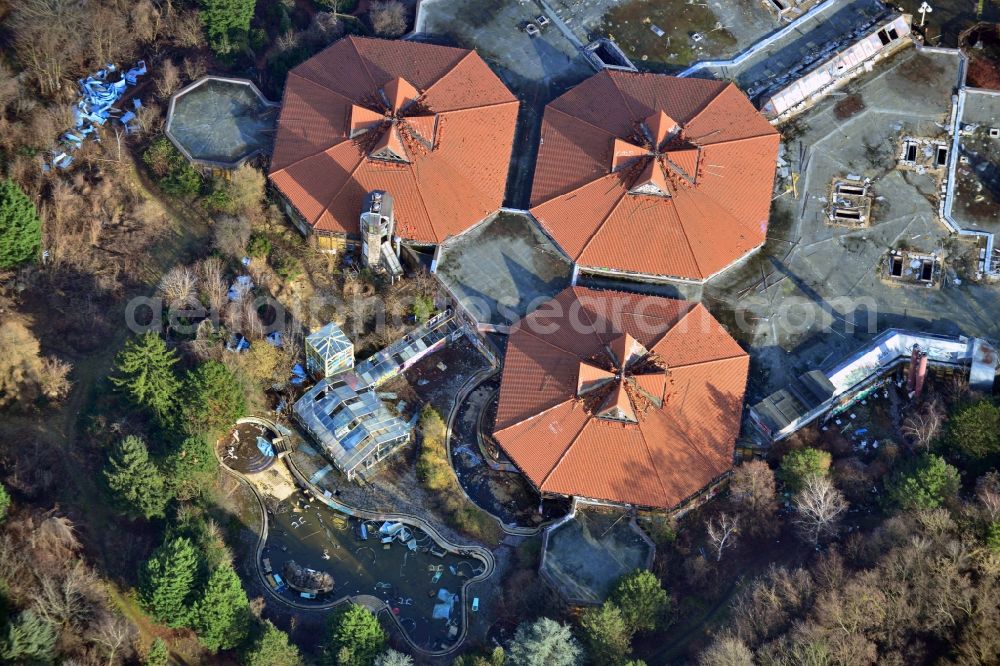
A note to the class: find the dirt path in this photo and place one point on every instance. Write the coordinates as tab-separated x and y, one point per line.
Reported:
65	427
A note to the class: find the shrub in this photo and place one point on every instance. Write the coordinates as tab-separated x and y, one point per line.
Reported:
271	648
355	636
797	466
606	634
288	267
974	429
20	228
423	308
993	536
435	474
642	600
259	246
173	173
4	502
926	482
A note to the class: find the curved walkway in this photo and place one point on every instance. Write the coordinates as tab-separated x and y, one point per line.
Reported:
460	398
376	605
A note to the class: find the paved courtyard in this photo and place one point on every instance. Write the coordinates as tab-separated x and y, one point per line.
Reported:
537	69
815	292
977	202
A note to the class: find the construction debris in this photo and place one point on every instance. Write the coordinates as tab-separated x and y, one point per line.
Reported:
98	96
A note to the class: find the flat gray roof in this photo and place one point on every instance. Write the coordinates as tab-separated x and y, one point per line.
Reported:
503	269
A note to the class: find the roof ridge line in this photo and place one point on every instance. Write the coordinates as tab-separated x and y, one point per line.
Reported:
449	71
684	316
711	101
420	197
354	45
550	344
310	156
628	107
478	107
457	173
600	225
649	456
324	87
535	415
585	122
593	320
687	440
736	140
336	194
562	456
693	364
569	192
468	54
693	201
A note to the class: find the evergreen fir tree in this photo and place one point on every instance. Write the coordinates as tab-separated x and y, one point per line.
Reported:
167	580
190	468
227	22
146	373
158	654
4	502
271	648
20	228
356	637
28	638
212	398
222	614
134	480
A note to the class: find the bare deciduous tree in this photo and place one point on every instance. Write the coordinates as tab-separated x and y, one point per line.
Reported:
388	18
54	378
179	287
231	235
40	49
819	508
726	650
168	79
115	637
924	425
213	286
752	491
988	494
722	530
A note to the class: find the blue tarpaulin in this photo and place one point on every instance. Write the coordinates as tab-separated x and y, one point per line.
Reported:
239	344
274	338
298	374
265	447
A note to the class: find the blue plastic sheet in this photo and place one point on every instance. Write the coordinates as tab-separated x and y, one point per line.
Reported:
95	107
265	447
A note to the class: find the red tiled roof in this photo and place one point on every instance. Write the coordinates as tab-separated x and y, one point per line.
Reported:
655	174
621	397
432	125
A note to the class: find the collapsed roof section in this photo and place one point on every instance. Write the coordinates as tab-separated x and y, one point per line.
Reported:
620	397
655	175
431	125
